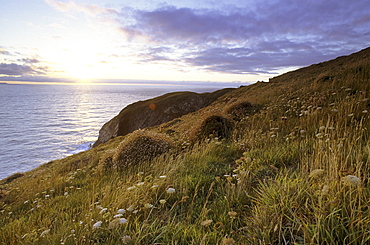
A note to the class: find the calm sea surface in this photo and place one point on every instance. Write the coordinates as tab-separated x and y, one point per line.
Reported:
40	123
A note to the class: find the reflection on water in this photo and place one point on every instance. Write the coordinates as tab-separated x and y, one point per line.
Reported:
40	123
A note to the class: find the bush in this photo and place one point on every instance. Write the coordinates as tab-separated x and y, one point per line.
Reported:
139	147
216	126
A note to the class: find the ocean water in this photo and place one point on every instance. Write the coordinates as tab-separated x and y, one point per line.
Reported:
40	123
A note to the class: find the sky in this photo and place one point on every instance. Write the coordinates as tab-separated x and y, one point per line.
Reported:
180	40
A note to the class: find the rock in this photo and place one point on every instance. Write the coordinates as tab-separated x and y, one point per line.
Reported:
155	111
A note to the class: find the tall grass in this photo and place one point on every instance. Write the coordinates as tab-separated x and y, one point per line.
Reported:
292	170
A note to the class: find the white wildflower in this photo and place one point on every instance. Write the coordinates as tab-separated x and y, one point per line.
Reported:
45	232
126	239
97	225
154	186
121	211
162	201
148	205
162	176
103	210
117	215
123	221
131	188
140	183
351	180
171	190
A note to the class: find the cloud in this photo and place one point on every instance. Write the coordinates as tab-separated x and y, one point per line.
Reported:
265	36
4	51
16	70
90	9
262	37
23	67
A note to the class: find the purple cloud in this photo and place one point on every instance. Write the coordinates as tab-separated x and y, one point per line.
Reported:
14	69
264	37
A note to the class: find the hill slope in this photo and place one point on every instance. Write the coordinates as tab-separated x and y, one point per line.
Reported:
282	162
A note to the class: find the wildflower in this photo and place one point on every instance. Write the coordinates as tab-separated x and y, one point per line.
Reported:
154	186
148	205
131	208
273	136
227	241
365	111
122	221
140	183
66	193
316	173
233	214
325	190
103	210
126	239
351	180
47	196
162	176
45	232
162	201
121	211
25	202
131	188
206	222
171	190
117	215
117	222
97	225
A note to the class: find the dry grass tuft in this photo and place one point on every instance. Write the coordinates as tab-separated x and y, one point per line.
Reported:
215	126
141	146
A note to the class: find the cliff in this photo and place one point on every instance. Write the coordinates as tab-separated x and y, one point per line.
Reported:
155	111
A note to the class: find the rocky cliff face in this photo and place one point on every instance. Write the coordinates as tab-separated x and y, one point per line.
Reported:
154	112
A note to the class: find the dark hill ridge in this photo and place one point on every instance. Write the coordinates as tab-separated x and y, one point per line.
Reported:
155	111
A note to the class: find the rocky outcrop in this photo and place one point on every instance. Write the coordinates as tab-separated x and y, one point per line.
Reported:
155	111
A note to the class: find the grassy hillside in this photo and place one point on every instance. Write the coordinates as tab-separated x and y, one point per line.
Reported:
284	162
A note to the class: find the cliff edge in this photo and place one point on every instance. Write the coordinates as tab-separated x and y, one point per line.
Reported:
155	111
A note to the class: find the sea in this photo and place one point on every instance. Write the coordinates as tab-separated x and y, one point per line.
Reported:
43	122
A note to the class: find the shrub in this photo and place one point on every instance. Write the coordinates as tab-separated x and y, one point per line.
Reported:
216	126
141	146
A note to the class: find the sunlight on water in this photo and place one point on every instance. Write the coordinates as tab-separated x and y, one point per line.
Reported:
40	123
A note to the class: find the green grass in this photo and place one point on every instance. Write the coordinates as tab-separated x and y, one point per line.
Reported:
280	177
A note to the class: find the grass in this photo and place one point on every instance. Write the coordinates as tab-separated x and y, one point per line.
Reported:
293	169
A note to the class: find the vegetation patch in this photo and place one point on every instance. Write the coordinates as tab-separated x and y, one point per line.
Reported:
140	147
215	126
